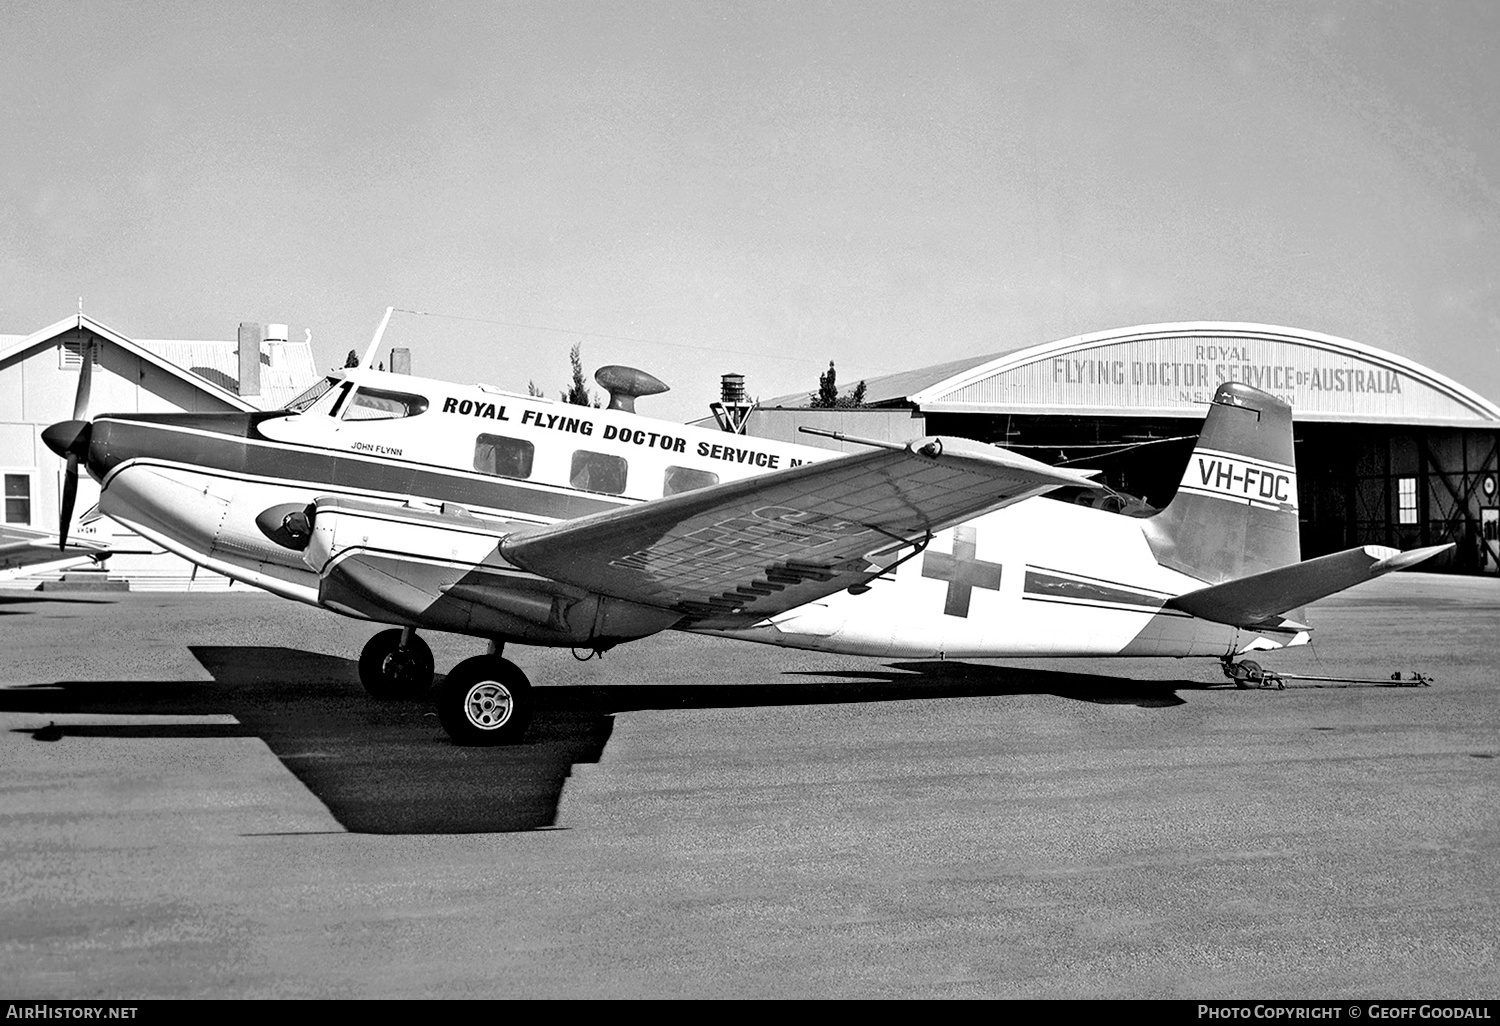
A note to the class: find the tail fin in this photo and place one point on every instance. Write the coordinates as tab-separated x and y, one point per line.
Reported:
1235	512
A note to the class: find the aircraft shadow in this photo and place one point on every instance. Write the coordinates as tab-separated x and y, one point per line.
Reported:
388	768
33	598
959	678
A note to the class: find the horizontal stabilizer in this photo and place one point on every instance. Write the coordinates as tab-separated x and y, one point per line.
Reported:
1259	600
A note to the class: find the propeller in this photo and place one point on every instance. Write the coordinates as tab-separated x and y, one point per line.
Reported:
85	381
70	439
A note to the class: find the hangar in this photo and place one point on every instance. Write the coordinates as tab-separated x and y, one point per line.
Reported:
256	370
1388	452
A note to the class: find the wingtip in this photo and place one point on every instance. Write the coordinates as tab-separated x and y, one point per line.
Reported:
1001	456
1403	560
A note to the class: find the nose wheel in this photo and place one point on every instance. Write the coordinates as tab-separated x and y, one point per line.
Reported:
485	700
396	664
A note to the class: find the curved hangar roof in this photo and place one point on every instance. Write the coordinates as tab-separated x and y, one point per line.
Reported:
1169	370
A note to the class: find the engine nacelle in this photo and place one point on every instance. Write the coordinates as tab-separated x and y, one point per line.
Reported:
443	570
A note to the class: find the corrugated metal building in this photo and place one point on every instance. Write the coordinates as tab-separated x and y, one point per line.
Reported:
1388	451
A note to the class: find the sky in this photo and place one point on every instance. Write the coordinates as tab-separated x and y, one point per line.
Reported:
760	188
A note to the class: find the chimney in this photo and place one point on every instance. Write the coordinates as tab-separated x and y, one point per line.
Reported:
275	349
401	361
250	358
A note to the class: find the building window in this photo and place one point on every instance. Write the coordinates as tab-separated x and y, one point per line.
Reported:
18	498
685	479
1406	492
503	457
598	472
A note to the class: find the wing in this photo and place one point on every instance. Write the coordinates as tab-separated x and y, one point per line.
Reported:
23	546
753	548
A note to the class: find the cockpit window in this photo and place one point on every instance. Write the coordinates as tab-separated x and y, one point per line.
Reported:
305	401
378	404
327	404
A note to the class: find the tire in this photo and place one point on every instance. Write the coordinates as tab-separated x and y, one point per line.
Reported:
387	671
486	700
1248	674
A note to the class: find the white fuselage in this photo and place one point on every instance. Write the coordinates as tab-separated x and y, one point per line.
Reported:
1040	577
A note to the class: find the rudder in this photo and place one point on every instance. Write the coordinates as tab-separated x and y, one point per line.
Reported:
1235	512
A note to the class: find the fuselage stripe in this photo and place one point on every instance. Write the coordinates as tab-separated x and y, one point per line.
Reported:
1050	588
1117	607
333	472
1104	581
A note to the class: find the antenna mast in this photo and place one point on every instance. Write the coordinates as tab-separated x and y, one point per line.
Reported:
368	359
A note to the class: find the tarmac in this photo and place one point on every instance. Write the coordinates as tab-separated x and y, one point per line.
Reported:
199	801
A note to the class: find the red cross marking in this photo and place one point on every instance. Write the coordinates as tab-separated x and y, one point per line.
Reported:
961	570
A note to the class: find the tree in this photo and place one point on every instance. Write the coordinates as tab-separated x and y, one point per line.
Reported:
532	388
578	393
827	396
352	360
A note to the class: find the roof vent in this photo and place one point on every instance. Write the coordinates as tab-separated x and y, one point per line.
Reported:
275	332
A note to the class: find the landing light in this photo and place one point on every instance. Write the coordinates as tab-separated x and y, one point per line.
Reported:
288	525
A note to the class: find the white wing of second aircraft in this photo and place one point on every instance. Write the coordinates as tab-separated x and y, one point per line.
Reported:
22	547
753	548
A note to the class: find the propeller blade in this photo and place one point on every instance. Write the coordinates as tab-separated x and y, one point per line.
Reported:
85	382
71	439
69	496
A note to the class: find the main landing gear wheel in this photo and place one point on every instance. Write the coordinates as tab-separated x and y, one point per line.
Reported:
485	701
388	669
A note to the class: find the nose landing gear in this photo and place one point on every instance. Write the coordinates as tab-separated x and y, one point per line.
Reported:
396	664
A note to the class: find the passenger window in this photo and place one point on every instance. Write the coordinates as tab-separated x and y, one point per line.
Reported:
598	472
685	479
503	457
378	404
